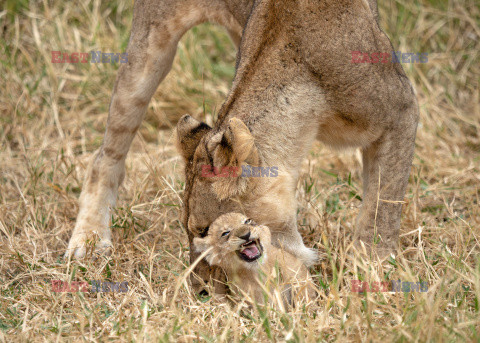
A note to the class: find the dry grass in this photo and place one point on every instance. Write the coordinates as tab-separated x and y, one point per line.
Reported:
52	117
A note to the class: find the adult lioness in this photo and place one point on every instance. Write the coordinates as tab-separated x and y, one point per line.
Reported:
252	264
294	81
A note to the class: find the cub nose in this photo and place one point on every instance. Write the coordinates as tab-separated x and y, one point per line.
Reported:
246	236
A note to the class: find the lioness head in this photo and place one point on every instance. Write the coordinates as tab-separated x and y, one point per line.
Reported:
224	149
235	241
214	184
206	197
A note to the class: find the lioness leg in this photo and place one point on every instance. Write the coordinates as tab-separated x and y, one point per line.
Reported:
386	167
156	30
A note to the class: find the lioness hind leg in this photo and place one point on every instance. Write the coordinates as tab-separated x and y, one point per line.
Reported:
156	30
386	168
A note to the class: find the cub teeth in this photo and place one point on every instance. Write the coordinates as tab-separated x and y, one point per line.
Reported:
249	242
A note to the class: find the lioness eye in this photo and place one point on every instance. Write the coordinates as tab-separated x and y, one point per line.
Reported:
248	221
226	233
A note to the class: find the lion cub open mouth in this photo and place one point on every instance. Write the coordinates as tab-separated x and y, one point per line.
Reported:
250	251
243	249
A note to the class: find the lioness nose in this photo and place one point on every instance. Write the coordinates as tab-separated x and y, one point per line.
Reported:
246	236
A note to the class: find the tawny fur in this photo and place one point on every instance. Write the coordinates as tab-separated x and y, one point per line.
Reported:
294	83
276	269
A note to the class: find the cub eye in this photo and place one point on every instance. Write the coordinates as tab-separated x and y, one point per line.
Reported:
225	234
248	221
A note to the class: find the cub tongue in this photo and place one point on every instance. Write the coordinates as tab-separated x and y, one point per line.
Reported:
251	251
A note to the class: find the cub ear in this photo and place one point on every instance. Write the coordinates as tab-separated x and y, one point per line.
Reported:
189	133
200	244
235	146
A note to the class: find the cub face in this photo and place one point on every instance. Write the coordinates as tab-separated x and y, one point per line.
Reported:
235	241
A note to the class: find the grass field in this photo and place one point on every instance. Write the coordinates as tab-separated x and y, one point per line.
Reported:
52	118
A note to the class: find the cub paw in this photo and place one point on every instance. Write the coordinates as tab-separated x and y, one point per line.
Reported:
308	256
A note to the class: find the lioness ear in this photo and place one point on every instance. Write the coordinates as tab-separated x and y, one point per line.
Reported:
189	133
236	145
232	148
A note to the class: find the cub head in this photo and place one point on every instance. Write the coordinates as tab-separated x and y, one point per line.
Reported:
235	241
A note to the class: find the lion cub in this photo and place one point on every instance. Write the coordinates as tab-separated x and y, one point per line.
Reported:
252	264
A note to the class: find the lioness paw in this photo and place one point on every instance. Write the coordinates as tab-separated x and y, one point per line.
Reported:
85	240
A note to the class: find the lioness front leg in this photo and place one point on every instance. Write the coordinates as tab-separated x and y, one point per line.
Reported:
135	84
156	30
386	168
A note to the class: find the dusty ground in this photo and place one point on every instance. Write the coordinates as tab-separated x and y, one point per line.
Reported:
52	117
